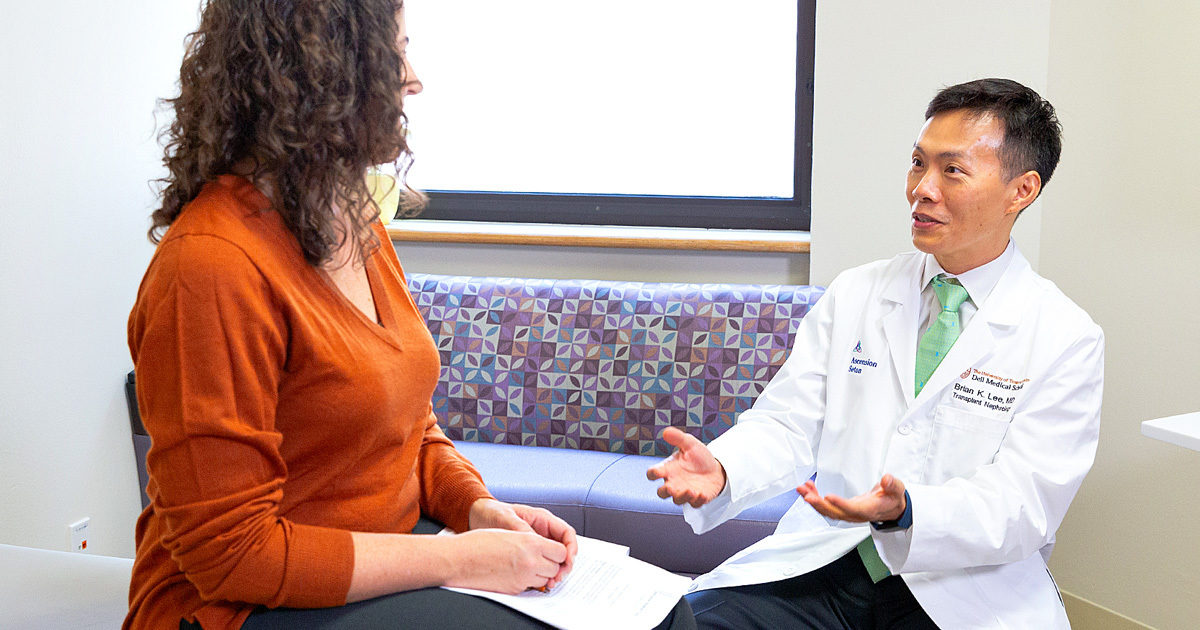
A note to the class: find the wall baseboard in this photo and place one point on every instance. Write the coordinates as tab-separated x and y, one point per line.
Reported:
1088	615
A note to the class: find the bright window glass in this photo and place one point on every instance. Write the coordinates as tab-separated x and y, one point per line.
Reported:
622	97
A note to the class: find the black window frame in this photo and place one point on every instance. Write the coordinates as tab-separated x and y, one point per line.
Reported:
663	210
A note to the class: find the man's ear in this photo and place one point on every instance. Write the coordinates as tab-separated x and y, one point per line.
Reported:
1025	189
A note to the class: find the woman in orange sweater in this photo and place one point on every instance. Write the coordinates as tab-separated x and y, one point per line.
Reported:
283	370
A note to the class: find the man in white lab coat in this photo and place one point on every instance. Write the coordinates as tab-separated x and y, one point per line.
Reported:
962	450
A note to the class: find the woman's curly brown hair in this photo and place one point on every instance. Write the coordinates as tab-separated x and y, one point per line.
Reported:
310	93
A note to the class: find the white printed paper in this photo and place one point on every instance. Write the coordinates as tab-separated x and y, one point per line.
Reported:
605	589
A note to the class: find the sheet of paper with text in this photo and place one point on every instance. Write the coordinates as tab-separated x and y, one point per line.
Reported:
606	589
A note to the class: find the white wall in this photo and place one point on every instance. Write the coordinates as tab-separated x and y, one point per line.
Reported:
80	81
878	63
1121	211
1121	234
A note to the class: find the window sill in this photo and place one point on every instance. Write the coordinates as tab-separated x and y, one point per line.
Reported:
542	234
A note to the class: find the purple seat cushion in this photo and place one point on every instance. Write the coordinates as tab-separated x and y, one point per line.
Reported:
623	507
607	496
554	478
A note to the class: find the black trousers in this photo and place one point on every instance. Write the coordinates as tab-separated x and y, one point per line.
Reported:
839	595
428	609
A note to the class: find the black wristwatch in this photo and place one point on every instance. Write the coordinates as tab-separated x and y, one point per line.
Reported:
904	522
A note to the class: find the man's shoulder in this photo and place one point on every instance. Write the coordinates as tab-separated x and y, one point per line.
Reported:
1051	299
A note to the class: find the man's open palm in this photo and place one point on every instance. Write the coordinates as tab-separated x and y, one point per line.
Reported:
691	474
884	502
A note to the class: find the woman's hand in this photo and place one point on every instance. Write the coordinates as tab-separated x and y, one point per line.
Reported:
505	561
498	560
490	513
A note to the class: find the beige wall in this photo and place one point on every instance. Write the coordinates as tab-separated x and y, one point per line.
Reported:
1121	234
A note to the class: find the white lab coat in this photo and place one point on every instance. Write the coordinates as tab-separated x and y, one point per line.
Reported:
991	452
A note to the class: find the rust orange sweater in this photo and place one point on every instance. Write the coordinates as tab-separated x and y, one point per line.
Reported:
282	419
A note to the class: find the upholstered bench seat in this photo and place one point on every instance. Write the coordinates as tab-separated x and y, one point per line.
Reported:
607	496
557	479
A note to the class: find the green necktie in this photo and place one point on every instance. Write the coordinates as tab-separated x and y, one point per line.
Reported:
935	343
938	338
871	560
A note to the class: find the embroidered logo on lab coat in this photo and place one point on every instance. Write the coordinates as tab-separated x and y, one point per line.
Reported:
857	364
988	391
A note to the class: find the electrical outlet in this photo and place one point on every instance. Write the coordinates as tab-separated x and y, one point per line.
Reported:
77	535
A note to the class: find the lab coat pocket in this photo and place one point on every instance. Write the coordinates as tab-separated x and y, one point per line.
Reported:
961	442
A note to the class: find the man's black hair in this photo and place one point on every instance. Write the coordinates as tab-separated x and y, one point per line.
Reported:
1032	133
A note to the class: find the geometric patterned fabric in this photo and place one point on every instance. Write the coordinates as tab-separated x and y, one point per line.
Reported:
602	365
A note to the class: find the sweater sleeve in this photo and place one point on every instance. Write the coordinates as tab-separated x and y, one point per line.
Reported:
209	345
449	483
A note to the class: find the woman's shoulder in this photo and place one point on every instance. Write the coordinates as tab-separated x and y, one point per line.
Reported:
230	213
227	231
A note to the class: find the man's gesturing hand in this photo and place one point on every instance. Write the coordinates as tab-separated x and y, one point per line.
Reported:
884	502
691	474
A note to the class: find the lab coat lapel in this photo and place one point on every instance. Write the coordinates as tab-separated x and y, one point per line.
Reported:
903	296
1003	307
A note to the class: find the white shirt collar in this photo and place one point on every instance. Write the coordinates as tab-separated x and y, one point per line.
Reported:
979	281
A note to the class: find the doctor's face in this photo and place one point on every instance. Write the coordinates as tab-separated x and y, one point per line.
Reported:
962	208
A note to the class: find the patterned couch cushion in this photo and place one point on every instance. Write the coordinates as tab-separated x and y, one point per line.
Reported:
602	365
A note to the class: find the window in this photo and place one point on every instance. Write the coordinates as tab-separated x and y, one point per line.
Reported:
684	113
